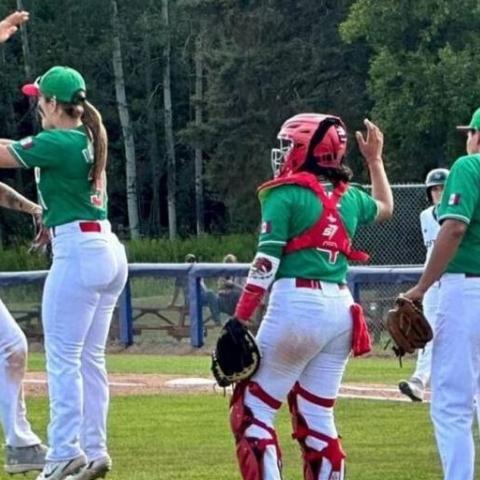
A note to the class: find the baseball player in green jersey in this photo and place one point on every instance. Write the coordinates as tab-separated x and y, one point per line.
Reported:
309	215
455	262
24	451
88	272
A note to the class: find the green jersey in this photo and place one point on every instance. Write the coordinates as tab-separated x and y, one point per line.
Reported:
288	210
62	159
460	201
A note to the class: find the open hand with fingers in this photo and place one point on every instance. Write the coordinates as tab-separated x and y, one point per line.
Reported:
9	25
371	146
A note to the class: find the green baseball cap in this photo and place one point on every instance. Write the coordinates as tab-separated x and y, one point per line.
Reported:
474	122
61	83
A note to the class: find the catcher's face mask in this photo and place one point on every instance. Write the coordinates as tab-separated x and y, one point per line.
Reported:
278	154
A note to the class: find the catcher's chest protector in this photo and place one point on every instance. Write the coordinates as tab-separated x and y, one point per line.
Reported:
329	232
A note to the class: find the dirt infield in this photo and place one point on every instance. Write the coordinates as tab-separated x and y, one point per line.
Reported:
152	384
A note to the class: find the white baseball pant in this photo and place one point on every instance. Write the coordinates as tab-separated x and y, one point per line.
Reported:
88	273
423	366
455	373
13	359
306	336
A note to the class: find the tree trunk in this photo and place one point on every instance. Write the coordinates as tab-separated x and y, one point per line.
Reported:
129	142
28	68
27	65
154	150
199	205
168	120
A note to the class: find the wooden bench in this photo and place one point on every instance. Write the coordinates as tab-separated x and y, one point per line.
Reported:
29	320
177	329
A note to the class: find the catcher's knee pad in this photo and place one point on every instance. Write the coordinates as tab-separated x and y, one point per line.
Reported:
327	463
256	442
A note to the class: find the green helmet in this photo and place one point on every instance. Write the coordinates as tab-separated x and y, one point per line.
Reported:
437	176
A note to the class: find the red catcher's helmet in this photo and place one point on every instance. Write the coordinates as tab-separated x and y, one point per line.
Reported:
305	135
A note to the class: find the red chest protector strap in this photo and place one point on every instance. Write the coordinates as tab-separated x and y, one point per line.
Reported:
329	232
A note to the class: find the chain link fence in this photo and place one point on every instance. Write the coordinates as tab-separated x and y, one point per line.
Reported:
395	242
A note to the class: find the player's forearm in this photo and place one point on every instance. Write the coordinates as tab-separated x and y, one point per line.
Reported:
10	198
5	141
260	277
446	245
381	190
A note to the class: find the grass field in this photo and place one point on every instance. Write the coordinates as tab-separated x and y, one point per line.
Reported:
186	436
359	370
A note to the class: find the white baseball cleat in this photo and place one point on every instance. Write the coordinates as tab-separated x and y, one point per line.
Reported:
62	470
95	469
413	389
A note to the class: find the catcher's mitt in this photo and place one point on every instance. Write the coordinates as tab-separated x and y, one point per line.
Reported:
408	326
236	356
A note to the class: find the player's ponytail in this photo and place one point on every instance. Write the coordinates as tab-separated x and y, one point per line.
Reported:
97	132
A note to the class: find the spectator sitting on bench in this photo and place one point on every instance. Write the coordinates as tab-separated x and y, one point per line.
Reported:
229	289
207	296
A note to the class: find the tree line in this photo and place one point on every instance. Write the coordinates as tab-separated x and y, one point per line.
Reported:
193	92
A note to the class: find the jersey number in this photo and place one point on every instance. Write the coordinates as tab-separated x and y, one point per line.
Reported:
332	256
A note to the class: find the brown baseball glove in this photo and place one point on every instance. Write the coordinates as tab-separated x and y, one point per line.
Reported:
408	326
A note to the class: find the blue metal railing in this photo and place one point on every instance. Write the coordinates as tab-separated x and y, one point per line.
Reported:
194	272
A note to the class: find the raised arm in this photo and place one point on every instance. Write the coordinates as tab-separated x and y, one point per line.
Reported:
9	25
371	148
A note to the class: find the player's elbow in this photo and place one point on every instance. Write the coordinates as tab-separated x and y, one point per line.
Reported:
385	211
455	228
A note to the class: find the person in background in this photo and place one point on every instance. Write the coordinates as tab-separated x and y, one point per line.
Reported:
229	288
415	386
207	296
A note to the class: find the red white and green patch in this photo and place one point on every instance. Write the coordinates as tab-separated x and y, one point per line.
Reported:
454	199
26	143
266	227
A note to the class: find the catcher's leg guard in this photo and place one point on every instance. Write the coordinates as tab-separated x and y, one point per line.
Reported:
327	463
257	445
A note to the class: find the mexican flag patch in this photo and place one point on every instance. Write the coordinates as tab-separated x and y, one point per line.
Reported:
266	227
454	199
26	143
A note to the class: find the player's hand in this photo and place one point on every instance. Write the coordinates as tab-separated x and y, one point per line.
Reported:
42	235
9	25
371	147
415	294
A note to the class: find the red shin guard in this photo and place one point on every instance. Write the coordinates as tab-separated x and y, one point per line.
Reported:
251	450
313	463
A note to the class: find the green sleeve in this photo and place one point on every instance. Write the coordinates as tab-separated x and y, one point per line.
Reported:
367	206
43	150
275	222
461	193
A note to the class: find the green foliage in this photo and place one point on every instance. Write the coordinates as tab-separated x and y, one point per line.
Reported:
209	248
424	76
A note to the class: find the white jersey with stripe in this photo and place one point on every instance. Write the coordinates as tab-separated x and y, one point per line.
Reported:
430	228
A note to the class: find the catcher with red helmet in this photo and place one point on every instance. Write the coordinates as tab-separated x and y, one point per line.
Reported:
310	213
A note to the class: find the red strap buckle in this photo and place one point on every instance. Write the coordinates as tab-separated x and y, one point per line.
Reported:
90	227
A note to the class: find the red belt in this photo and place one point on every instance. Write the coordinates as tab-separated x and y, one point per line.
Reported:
85	227
90	227
309	283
